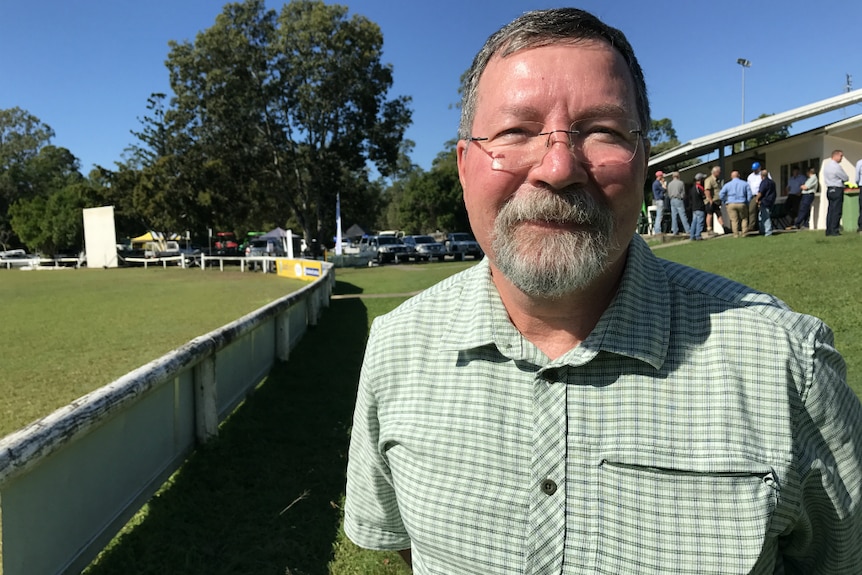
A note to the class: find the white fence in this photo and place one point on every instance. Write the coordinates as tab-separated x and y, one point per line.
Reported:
70	481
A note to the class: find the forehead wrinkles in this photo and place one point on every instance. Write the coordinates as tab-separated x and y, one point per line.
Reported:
598	77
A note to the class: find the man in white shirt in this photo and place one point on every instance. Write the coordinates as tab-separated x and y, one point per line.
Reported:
859	181
834	177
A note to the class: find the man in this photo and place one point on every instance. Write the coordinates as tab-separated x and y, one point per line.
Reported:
736	196
676	193
565	405
834	177
766	196
794	193
711	187
859	183
809	189
697	199
658	189
754	179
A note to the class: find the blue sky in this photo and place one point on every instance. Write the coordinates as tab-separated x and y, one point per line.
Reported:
86	67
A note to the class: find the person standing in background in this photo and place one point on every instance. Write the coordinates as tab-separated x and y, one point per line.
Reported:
794	193
859	183
658	188
676	193
809	190
754	179
834	177
736	196
765	199
712	187
697	200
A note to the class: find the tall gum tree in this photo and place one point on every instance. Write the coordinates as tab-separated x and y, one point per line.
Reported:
281	111
22	136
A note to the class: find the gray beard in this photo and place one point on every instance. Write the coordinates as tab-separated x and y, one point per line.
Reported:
551	265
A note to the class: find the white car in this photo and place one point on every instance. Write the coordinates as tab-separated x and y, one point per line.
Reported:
425	247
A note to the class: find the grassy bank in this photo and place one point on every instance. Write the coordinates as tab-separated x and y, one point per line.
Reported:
65	333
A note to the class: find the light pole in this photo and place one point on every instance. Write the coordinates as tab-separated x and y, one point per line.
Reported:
745	64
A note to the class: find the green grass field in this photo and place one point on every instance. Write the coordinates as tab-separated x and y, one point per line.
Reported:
266	496
65	333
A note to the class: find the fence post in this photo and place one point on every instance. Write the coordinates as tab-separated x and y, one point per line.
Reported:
206	412
282	335
313	309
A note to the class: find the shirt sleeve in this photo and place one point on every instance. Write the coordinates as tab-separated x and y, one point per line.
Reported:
371	516
827	537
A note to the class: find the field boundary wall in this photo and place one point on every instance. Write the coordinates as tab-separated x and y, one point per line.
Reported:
70	481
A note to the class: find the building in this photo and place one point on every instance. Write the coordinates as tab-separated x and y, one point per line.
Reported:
803	150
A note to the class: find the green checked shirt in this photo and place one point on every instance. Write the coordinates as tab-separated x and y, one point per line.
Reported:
702	427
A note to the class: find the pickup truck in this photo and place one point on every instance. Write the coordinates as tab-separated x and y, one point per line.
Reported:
460	244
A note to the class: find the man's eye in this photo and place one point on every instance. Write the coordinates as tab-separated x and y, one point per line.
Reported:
515	134
604	133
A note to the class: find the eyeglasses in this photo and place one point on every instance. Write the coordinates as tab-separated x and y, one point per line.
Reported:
592	141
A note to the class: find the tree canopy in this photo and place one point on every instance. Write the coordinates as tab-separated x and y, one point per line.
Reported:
22	136
272	115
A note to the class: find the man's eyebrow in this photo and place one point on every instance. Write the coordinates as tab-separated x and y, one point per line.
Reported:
604	110
599	110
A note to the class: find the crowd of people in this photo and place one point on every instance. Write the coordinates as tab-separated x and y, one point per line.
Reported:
750	203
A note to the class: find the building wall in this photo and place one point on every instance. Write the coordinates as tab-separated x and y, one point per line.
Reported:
852	149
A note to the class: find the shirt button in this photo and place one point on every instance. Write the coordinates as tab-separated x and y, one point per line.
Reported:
549	487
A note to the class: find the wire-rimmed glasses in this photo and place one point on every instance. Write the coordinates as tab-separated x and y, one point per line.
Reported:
610	141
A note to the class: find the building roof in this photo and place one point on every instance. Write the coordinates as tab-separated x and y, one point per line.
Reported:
700	146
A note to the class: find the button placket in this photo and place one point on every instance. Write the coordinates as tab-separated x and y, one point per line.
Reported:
547	499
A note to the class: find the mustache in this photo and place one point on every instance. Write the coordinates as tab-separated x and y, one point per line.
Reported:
564	206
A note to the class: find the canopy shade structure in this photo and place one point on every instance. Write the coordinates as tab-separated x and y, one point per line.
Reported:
706	144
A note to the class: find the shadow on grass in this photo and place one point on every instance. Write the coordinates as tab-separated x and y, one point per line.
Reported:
344	288
263	497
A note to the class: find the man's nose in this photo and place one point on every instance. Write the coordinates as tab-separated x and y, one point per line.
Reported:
559	167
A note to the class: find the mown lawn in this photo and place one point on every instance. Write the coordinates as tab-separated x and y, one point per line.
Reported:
65	333
266	496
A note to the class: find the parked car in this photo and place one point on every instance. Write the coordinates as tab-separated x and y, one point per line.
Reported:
385	248
424	247
264	247
226	244
460	244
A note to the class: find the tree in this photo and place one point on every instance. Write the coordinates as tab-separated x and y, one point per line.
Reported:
22	136
763	139
272	115
434	200
662	136
49	218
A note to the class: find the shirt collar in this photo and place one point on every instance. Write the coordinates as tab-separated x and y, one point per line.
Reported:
636	324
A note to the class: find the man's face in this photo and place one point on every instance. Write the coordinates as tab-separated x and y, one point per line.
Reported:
562	211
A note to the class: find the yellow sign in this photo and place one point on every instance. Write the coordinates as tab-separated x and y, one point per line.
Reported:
308	270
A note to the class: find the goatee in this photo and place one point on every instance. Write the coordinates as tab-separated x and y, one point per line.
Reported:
551	265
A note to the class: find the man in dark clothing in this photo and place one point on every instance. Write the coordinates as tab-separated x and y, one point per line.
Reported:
765	201
696	197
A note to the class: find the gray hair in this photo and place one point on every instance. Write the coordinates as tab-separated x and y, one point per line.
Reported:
543	28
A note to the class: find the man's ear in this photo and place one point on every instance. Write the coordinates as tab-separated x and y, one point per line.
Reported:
460	156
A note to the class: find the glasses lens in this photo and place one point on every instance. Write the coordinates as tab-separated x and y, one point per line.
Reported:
592	141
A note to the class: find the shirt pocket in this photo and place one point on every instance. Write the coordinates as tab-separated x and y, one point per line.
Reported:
689	517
